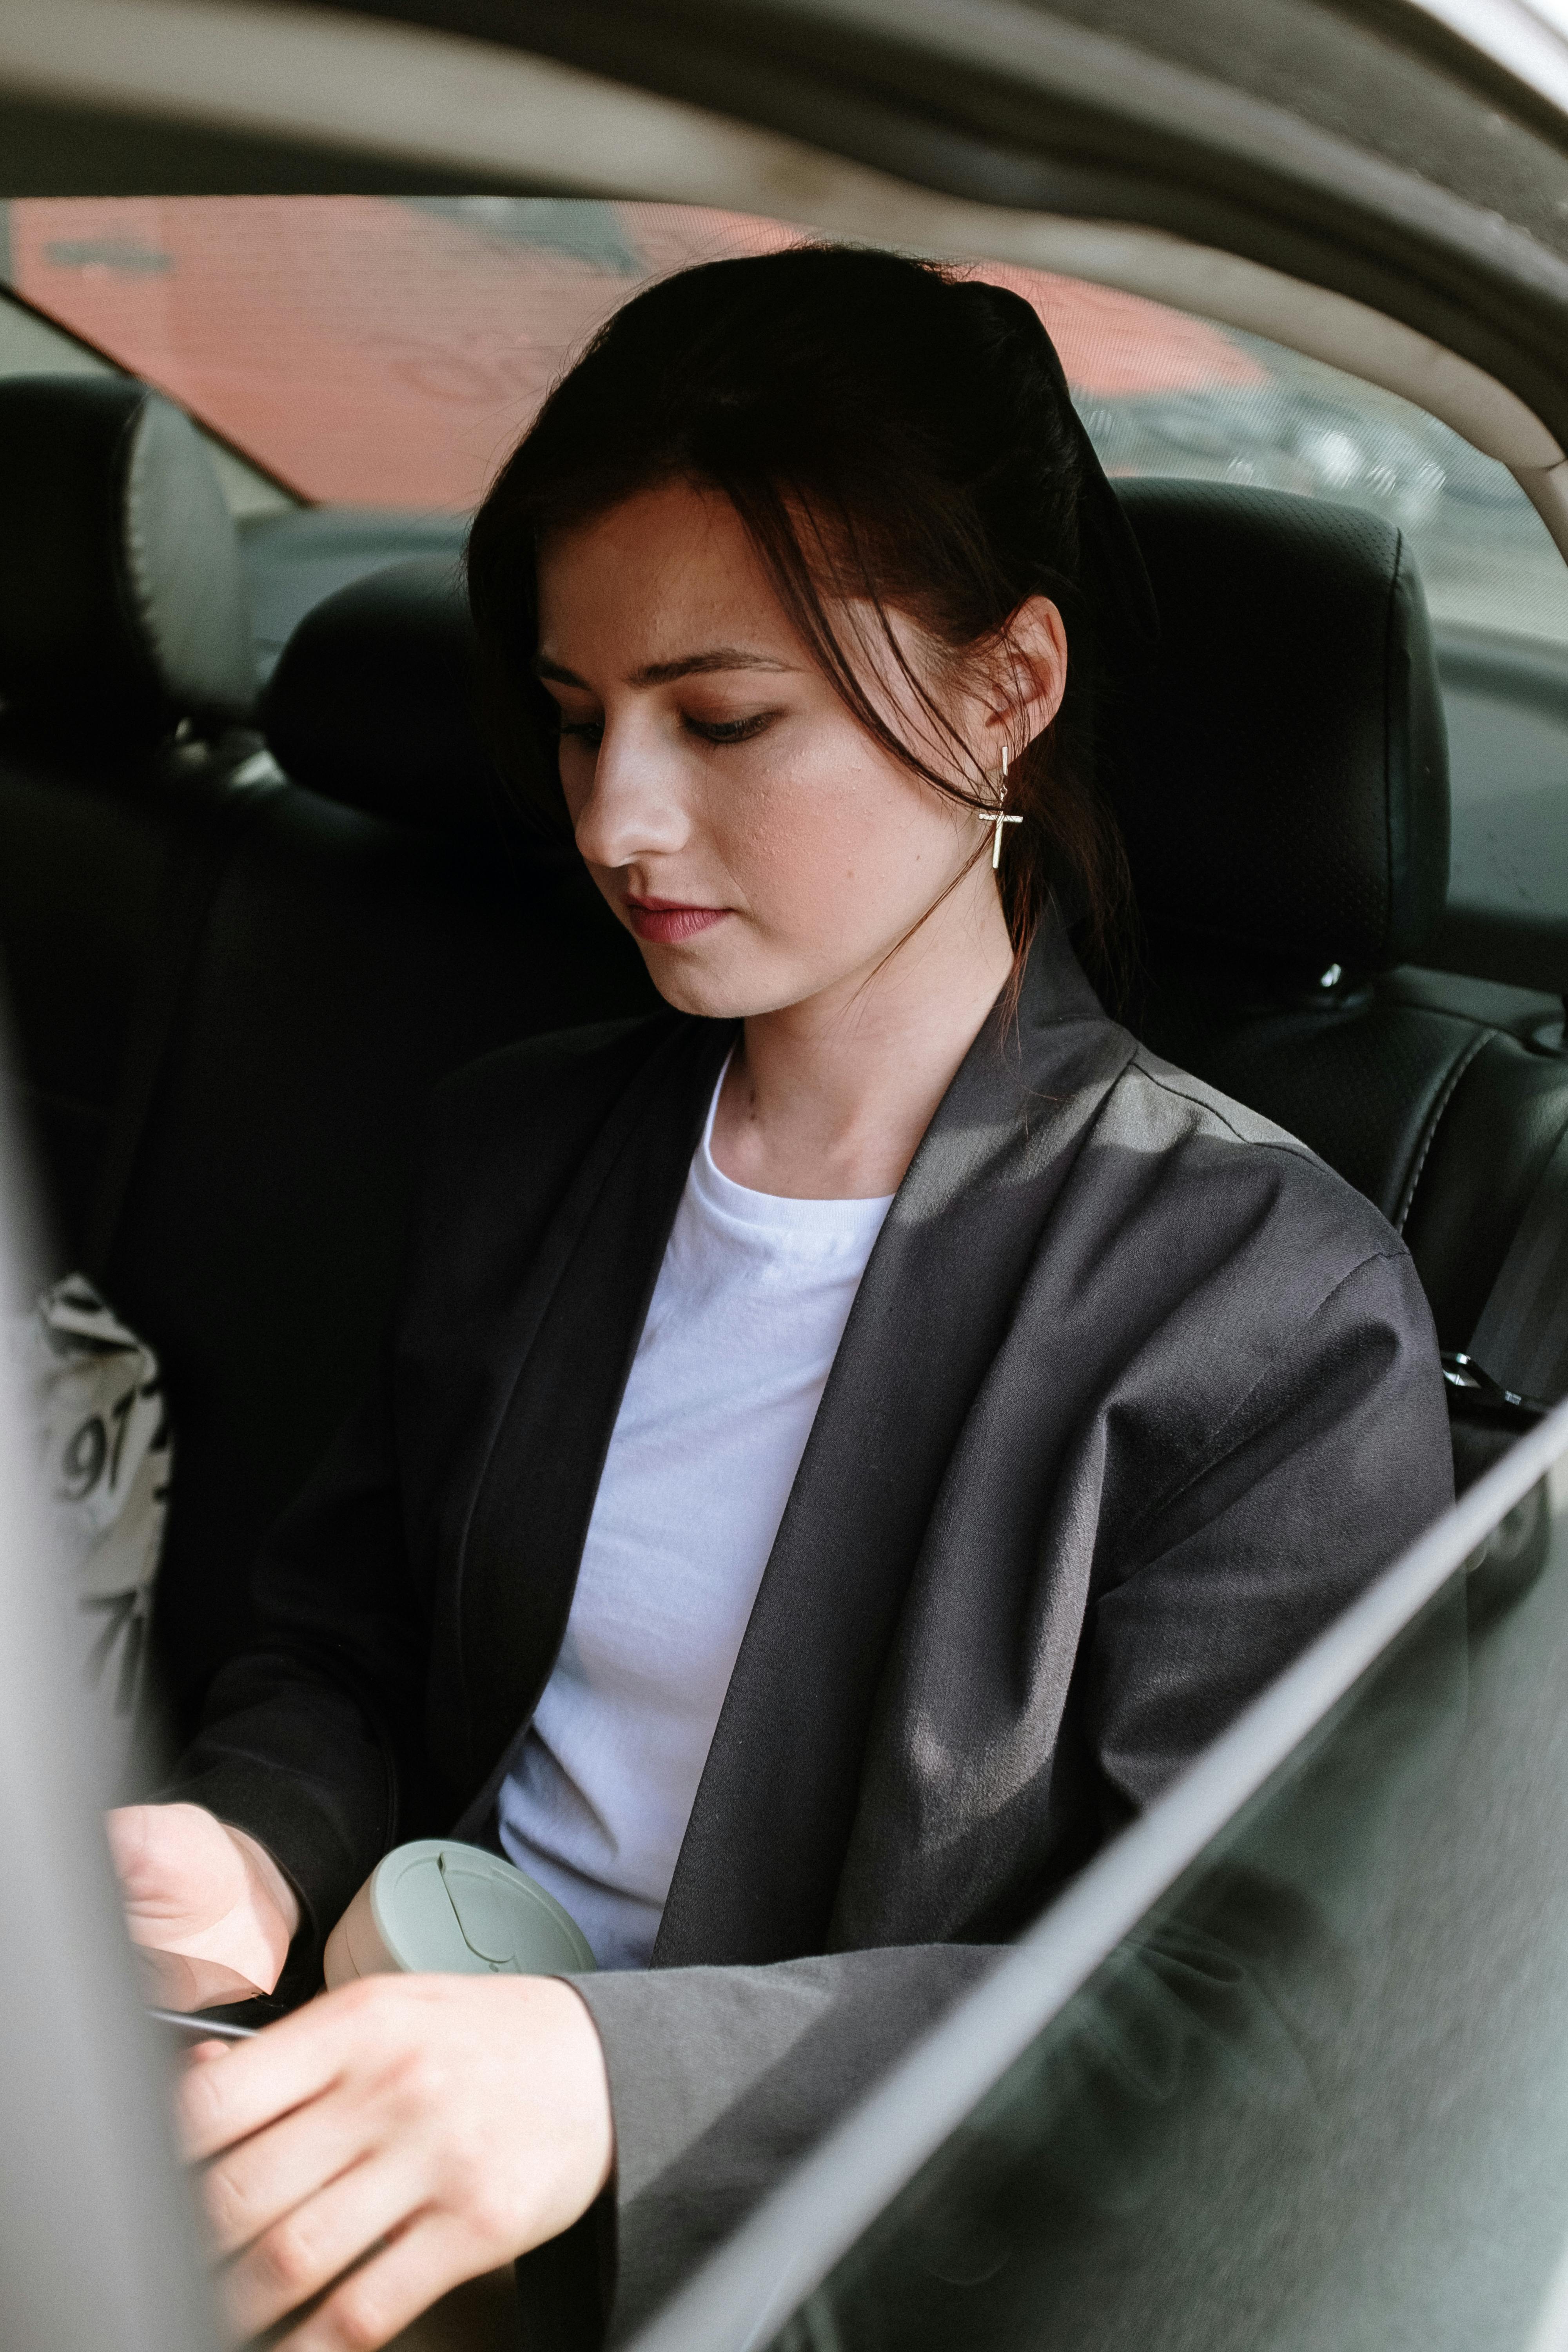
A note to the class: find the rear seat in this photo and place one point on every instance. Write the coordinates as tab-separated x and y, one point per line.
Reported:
123	617
351	950
351	958
363	929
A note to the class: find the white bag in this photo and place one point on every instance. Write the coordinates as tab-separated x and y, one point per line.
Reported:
95	1398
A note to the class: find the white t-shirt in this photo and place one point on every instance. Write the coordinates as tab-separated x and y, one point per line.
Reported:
746	1316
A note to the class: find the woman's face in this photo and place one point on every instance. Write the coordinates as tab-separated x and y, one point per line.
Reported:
761	847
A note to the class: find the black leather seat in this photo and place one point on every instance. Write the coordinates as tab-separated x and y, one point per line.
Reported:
122	619
1279	769
361	925
350	960
324	961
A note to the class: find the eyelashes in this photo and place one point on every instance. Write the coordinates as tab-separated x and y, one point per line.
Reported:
728	731
717	731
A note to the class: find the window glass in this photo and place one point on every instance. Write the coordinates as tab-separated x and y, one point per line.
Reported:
385	354
1486	559
31	344
1320	2096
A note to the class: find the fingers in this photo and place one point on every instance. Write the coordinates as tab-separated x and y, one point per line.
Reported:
253	2185
417	2265
317	2243
196	1892
186	1980
290	2062
424	2128
126	1828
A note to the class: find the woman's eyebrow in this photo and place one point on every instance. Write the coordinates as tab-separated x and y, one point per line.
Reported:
696	665
661	673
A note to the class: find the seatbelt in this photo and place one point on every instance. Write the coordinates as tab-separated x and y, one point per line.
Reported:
186	891
1520	1342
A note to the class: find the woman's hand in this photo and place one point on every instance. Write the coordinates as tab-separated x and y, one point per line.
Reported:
209	1911
427	2128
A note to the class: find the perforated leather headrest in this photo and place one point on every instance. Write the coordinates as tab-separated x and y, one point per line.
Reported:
123	607
1279	762
371	702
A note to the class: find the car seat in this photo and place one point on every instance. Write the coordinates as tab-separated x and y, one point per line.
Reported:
1279	768
125	661
360	928
362	924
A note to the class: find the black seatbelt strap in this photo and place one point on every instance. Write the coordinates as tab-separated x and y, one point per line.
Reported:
183	900
1521	1339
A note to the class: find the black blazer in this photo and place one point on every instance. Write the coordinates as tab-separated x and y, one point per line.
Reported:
1135	1395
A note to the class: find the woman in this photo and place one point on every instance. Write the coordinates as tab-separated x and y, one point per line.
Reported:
845	1443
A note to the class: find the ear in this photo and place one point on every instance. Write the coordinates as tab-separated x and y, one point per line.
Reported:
1029	679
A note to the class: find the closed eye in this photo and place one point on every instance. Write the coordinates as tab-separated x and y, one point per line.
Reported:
717	731
729	731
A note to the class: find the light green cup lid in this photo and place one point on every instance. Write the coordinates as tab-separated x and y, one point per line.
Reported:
454	1909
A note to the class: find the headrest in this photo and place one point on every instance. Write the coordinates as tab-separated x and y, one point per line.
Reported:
372	703
1279	762
123	607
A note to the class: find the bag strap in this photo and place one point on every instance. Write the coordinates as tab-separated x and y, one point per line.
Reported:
1521	1339
187	889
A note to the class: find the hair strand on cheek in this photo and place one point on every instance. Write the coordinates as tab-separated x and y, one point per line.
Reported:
898	444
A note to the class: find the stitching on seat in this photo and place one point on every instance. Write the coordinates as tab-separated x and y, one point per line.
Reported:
1390	615
1438	1108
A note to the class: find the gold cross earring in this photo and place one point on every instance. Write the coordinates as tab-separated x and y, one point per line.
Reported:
998	816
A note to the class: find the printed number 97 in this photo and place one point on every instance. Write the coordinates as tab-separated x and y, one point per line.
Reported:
81	1464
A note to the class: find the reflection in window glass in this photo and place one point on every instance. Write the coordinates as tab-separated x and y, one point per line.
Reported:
377	351
1486	558
1320	2097
369	350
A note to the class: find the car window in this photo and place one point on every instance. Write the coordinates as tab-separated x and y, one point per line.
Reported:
383	354
1316	2095
429	330
31	344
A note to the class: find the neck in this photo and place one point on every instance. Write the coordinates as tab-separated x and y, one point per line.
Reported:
828	1099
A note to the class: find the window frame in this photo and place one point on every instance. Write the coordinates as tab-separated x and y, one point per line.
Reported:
752	2285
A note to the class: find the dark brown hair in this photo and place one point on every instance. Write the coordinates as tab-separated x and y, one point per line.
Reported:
889	432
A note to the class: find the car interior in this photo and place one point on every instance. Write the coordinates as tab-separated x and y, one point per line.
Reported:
260	887
1343	2131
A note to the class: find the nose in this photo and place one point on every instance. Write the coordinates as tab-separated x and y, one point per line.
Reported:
635	808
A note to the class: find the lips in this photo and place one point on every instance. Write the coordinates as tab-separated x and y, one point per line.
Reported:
664	923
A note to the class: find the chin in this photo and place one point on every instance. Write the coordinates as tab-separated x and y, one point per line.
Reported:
703	993
712	994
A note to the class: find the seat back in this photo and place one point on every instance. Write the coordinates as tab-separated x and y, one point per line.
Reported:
1279	767
125	663
350	932
372	930
367	923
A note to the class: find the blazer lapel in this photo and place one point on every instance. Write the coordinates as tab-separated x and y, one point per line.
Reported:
575	1332
760	1864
